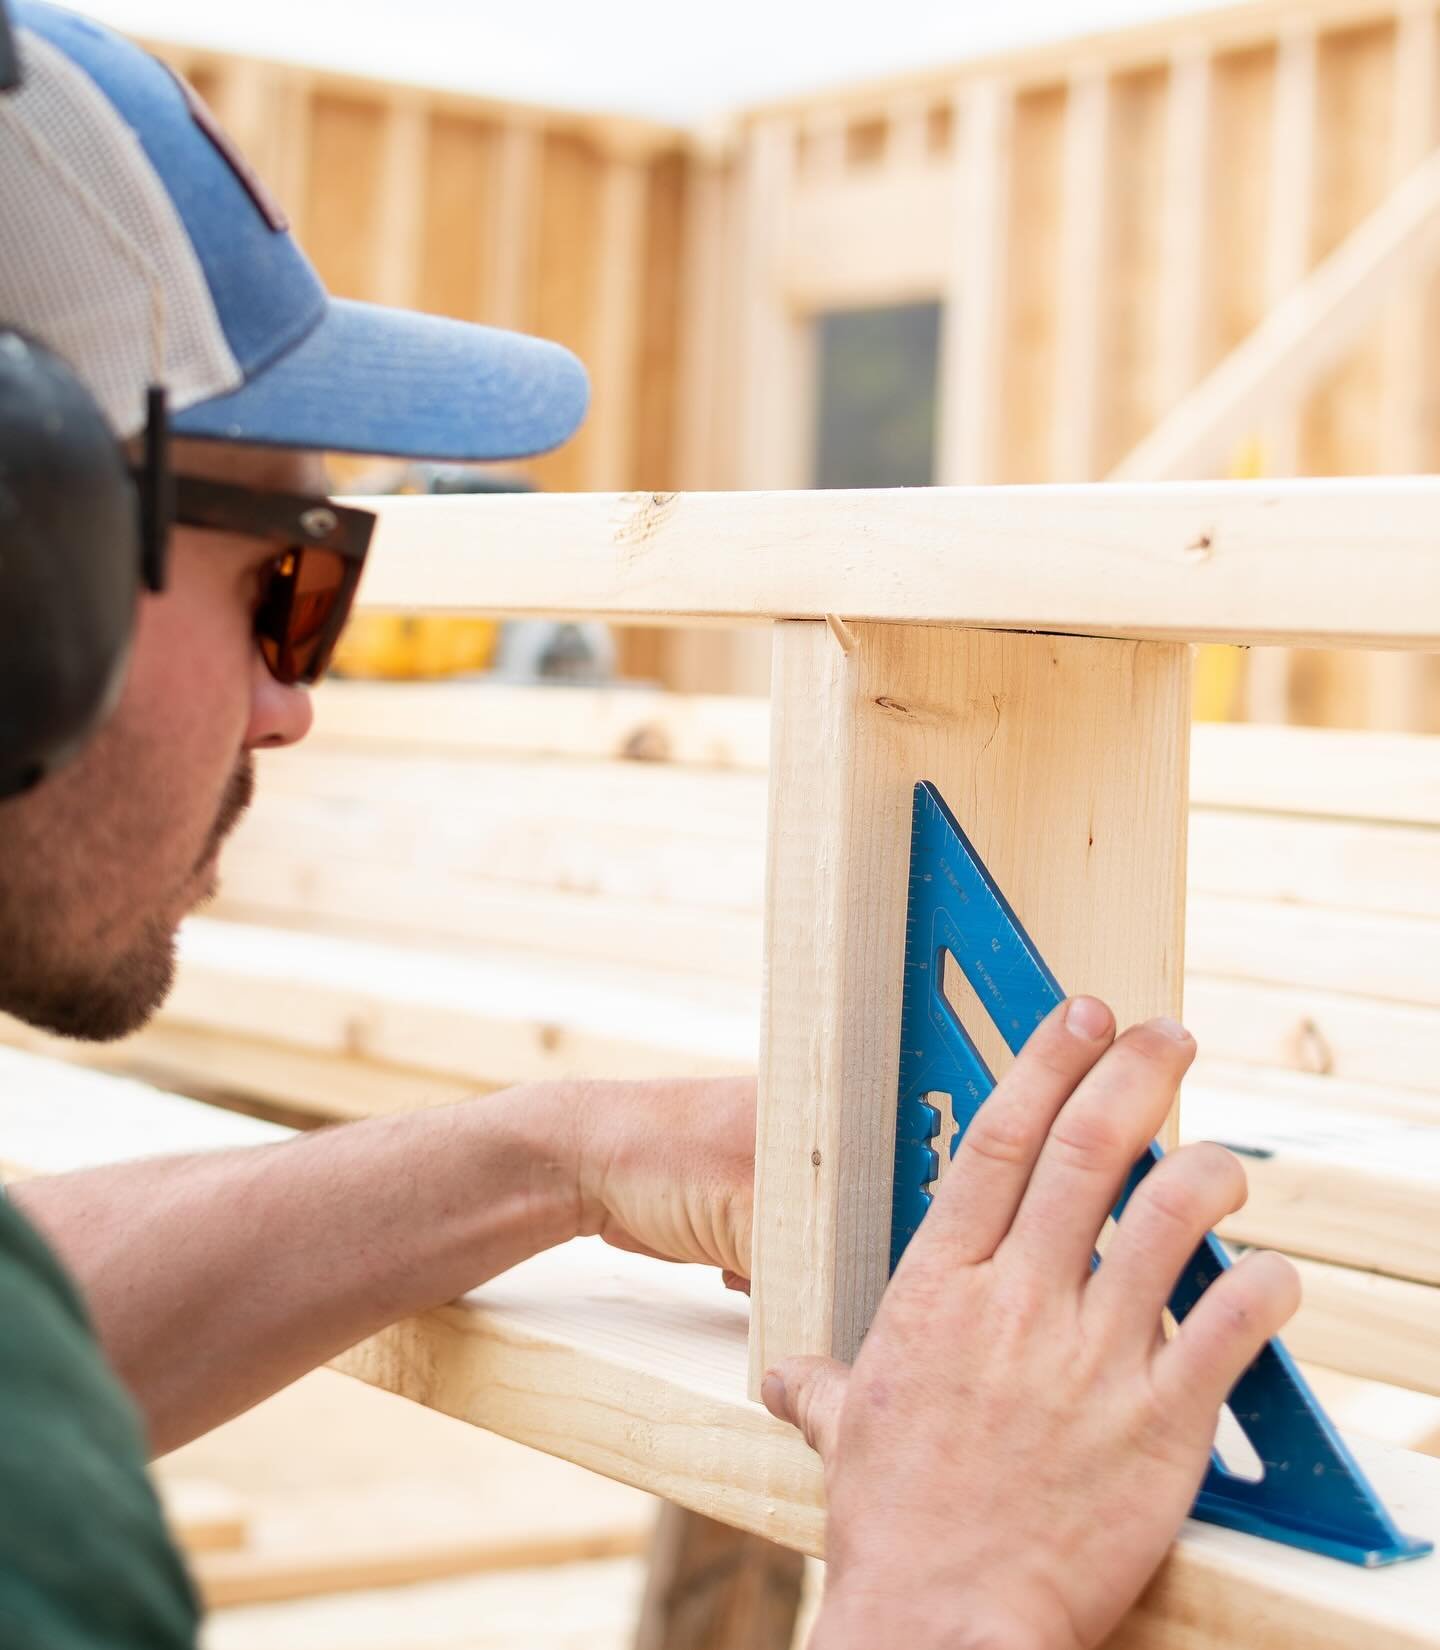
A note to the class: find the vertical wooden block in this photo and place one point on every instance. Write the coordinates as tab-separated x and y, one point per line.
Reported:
1079	354
709	1587
614	357
1292	208
513	223
1065	759
400	219
972	345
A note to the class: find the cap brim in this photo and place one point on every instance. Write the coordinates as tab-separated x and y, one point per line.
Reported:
393	382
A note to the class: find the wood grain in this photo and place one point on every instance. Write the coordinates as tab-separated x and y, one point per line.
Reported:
1032	740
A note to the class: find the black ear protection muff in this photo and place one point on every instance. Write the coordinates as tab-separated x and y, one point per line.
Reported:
78	541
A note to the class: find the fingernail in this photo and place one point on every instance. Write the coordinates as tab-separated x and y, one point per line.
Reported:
772	1395
1087	1018
1171	1029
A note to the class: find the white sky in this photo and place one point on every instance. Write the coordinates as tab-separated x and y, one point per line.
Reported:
674	60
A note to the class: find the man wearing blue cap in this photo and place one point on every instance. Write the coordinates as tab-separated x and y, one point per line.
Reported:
139	247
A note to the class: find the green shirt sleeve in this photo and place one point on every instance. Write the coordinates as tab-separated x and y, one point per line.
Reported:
86	1561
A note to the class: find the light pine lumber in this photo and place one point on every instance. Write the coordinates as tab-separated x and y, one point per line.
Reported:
1299	1091
411	904
485	1015
1374	955
774	342
399	221
1304	334
513	227
348	1488
973	321
1290	223
204	1517
249	1068
1380	1328
702	299
1080	341
1342	775
614	356
393	1556
644	864
637	1370
506	785
1188	168
860	239
1229	561
1351	865
1403	443
1359	1188
1229	28
1032	740
1326	1032
711	1587
1398	684
1374	1409
588	1605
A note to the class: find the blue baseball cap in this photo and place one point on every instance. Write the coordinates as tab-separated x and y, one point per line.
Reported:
142	248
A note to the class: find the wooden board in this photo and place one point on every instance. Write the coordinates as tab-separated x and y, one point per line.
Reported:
1236	561
1030	739
637	1370
711	1587
346	1488
1380	776
580	1606
1384	1329
1355	1186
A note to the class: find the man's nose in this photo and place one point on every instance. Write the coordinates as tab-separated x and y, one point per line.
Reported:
279	715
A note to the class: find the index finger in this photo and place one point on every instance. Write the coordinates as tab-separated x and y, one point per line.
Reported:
977	1199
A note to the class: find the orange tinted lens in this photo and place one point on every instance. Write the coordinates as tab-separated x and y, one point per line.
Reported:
297	623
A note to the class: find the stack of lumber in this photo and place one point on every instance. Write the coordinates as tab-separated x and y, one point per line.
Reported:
453	888
637	1369
449	888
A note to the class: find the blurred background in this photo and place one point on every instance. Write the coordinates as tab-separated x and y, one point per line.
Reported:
798	246
808	246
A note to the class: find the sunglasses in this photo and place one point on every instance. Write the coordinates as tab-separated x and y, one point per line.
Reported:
308	587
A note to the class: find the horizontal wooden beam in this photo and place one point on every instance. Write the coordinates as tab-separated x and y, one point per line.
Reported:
1339	774
1341	562
619	724
636	1370
1354	1186
1384	1329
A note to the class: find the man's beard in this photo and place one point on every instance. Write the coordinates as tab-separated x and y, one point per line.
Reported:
239	794
102	1006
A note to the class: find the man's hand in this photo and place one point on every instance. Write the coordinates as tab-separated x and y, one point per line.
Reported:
1017	1443
667	1168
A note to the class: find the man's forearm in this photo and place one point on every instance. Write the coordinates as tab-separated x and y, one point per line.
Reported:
216	1279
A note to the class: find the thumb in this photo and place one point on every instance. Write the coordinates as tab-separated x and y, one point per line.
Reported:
809	1393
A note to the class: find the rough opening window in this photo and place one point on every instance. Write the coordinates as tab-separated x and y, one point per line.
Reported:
876	396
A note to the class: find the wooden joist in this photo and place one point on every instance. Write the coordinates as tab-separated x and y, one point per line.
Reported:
1353	1186
1384	1329
600	724
637	1370
1240	561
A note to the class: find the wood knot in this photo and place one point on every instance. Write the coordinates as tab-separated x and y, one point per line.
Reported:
643	515
1200	546
893	705
1312	1050
648	743
815	1159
